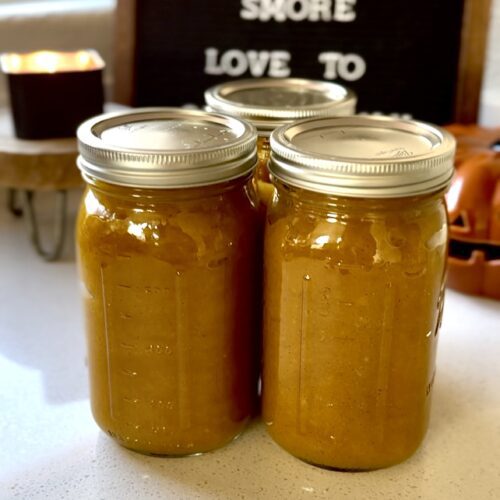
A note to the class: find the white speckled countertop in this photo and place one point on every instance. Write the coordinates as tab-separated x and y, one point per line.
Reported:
52	449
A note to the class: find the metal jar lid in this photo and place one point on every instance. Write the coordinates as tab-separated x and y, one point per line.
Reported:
363	157
165	148
271	102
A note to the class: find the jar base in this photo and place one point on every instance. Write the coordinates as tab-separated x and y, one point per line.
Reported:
368	468
173	454
367	465
353	470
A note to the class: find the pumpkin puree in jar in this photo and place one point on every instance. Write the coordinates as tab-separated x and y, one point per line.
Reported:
262	176
170	333
350	324
268	103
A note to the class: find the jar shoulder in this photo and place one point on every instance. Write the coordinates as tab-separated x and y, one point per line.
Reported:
358	232
180	229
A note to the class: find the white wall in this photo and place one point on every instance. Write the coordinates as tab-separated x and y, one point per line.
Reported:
74	24
60	25
490	102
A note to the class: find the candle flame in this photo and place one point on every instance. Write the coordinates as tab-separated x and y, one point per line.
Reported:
16	63
83	59
47	61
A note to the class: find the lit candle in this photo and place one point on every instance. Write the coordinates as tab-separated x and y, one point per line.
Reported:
53	92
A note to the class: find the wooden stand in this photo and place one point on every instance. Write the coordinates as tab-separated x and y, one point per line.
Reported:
30	166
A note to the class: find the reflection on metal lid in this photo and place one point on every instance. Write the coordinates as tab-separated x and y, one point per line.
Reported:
166	148
363	156
271	102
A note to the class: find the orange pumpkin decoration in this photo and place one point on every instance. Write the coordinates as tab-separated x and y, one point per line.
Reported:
474	212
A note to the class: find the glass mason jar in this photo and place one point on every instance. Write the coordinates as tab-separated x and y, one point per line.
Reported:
268	103
354	267
168	250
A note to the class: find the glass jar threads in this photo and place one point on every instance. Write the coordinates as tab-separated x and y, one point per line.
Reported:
354	265
268	103
168	244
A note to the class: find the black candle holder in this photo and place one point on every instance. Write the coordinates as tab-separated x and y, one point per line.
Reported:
51	93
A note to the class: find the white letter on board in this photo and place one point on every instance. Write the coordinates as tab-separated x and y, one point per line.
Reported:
320	10
344	11
234	62
297	10
249	10
278	68
272	9
330	60
211	66
257	62
349	67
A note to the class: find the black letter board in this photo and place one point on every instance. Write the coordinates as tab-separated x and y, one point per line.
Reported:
400	57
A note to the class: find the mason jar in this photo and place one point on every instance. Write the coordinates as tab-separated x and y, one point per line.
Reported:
168	250
354	266
268	103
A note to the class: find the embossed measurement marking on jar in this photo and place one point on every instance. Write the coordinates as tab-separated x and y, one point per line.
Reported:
183	349
108	343
134	349
385	358
428	389
302	397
